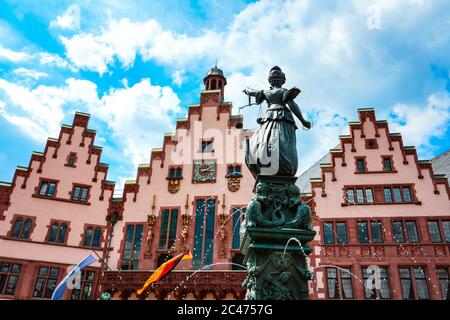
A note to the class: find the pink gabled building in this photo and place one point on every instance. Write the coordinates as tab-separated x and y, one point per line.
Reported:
190	195
53	215
376	204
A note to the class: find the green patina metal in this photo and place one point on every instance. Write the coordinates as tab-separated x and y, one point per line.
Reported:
274	216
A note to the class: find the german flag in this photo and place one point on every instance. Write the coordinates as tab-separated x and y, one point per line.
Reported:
165	269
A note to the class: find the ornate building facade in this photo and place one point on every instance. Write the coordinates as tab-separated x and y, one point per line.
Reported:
375	205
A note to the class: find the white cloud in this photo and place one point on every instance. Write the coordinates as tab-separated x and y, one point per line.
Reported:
29	73
419	123
39	112
178	77
13	56
54	60
136	116
69	20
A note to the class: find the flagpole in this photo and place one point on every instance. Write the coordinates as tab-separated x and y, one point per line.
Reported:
107	266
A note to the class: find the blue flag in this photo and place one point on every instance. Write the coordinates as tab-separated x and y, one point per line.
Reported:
62	286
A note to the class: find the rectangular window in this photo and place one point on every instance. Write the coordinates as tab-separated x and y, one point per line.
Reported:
387	195
377	234
234	170
237	220
207	146
361	166
446	230
387	165
444	279
346	279
339	283
406	194
397	228
397	195
204	233
47	189
363	232
384	291
328	233
9	276
80	193
57	232
414	283
369	195
350	196
341	228
406	282
411	230
46	282
435	234
359	196
71	159
132	247
333	283
167	235
85	290
421	283
21	228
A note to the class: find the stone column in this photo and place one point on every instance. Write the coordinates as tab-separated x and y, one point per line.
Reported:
274	217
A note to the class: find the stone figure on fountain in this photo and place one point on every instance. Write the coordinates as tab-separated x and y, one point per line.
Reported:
276	215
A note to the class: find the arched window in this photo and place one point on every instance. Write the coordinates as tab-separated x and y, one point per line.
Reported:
17	228
53	232
213	84
97	236
62	233
220	85
88	237
26	229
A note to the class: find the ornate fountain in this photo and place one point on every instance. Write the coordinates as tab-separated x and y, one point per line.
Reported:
275	215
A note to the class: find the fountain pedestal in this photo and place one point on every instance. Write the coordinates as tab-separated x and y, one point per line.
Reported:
277	269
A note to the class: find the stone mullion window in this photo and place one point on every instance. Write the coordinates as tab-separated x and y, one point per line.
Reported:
384	292
414	283
335	232
405	231
339	283
85	292
132	246
167	235
9	276
46	281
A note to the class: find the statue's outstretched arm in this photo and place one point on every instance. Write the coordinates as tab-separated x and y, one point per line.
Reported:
296	110
250	92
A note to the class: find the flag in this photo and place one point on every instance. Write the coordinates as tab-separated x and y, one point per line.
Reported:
62	286
164	269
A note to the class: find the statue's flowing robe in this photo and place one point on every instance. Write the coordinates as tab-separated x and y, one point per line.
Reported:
272	150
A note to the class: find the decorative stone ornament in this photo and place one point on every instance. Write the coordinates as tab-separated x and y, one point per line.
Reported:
173	185
234	183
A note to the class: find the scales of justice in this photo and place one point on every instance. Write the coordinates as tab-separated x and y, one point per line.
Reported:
277	226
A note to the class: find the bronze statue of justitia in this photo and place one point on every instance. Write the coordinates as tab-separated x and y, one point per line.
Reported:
277	128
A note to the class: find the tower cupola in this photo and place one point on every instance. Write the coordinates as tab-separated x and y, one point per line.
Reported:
215	80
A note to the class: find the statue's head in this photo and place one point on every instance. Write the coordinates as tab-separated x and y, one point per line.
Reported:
293	190
261	189
276	77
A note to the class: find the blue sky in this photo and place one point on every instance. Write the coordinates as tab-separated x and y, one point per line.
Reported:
137	65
